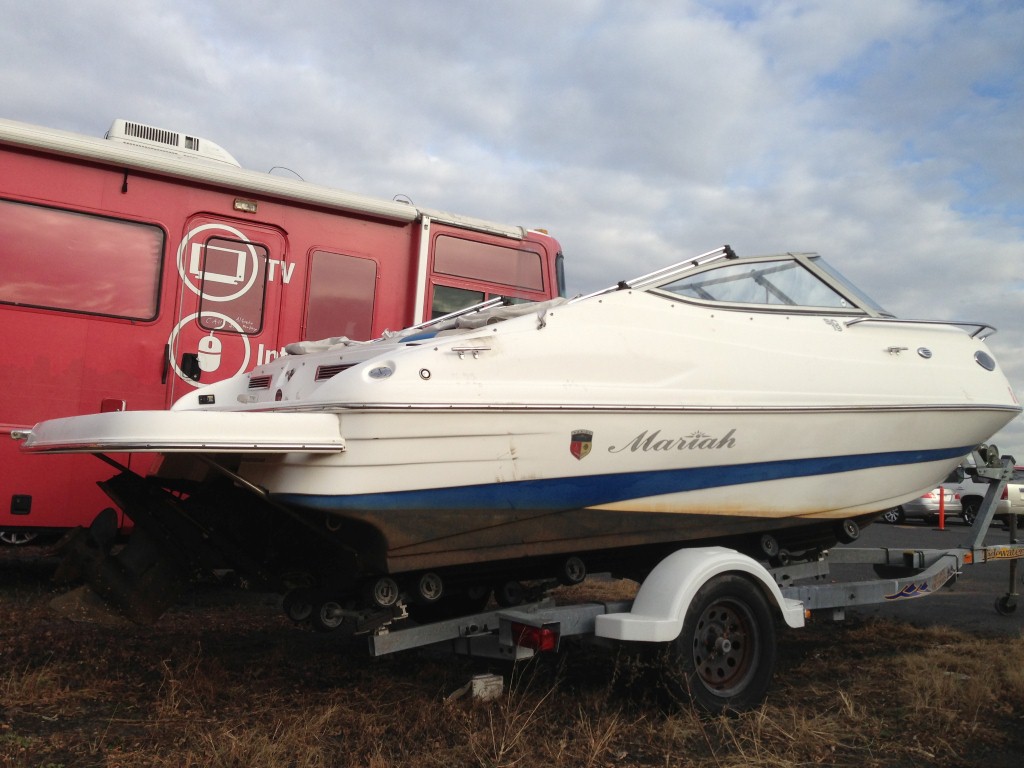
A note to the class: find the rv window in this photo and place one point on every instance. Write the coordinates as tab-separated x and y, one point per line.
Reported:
341	293
448	299
234	276
77	262
490	263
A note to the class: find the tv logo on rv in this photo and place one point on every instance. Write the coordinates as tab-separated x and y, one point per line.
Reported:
203	260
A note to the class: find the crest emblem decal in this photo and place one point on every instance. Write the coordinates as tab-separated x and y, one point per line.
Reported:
580	444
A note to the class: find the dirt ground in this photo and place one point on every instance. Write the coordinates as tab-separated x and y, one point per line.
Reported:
224	679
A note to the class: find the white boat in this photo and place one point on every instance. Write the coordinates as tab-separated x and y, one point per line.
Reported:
761	401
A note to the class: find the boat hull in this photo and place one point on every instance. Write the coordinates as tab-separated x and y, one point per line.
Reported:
419	488
511	484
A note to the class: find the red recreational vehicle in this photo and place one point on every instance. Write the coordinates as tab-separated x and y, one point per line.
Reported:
136	267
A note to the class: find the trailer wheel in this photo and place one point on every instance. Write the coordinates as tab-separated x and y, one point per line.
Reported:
509	594
769	545
1006	605
327	616
384	592
429	587
848	531
298	605
574	571
725	655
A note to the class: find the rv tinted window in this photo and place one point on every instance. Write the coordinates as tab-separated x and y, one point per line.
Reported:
58	259
341	292
448	299
490	263
234	277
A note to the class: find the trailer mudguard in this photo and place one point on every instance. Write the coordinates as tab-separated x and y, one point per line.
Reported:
665	595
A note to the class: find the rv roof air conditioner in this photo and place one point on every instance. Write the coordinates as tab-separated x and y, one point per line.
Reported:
182	145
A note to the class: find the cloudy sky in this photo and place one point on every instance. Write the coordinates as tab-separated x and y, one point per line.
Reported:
887	135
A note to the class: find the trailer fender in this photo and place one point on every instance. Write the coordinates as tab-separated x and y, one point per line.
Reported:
661	604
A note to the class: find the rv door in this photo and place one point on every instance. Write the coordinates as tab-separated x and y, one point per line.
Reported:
231	277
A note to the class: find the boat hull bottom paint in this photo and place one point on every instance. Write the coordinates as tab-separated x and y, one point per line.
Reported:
278	546
399	541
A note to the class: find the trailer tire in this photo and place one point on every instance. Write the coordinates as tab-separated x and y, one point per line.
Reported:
848	531
509	594
724	656
1006	605
298	605
327	616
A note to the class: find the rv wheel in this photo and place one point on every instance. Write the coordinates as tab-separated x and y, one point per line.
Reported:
725	655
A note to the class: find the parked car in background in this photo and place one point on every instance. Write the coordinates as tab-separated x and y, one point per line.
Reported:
970	492
927	507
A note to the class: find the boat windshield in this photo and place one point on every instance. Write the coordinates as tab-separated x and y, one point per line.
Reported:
783	281
849	288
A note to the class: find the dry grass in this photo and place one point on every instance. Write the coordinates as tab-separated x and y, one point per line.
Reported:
231	683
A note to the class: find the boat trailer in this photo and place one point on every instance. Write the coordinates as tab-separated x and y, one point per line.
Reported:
710	611
716	608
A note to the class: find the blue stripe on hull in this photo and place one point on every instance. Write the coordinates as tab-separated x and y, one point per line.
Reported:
562	493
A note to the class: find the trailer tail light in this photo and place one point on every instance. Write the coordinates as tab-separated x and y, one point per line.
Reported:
539	639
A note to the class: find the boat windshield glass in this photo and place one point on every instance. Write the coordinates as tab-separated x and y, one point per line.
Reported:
781	282
849	288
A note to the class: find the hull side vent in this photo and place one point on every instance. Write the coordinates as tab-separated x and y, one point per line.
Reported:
324	372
